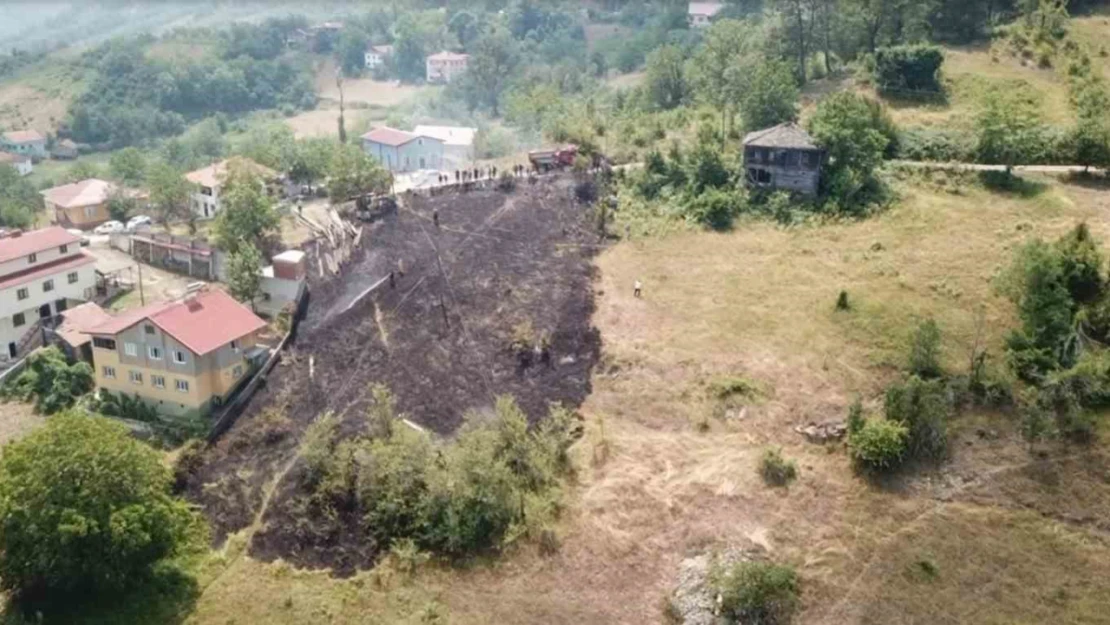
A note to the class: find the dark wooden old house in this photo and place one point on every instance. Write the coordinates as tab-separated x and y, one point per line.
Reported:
783	157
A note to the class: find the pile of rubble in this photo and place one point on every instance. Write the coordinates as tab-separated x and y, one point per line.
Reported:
821	433
694	601
342	236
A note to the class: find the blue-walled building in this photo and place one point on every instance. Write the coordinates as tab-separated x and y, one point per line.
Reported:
399	150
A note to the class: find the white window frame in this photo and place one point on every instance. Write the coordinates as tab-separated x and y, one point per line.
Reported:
130	349
109	373
158	381
179	357
136	377
182	386
154	352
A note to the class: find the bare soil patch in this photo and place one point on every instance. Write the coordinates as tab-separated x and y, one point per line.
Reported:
439	340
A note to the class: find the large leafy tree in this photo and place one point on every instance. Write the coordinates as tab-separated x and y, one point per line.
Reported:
494	58
771	96
719	71
844	124
84	506
248	215
169	192
666	77
244	273
1009	130
19	201
128	166
352	173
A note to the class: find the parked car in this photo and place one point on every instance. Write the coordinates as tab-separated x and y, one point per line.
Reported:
110	227
136	221
78	233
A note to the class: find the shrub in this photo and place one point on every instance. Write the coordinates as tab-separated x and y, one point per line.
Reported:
48	379
879	445
124	406
934	144
105	534
925	351
189	461
506	182
715	207
842	302
757	592
1081	264
855	417
908	70
923	407
776	470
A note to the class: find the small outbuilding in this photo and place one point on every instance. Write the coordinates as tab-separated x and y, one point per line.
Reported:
783	157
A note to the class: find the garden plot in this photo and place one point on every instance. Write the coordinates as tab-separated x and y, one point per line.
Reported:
499	270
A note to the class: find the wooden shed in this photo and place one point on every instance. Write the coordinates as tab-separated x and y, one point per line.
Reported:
783	157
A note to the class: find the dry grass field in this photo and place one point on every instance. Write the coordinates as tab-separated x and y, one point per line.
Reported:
997	535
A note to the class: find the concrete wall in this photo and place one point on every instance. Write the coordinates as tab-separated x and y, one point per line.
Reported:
277	294
421	153
36	149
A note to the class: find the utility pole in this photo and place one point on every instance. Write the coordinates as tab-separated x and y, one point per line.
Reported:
142	298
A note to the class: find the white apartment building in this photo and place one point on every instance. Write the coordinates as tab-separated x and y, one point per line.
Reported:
42	273
207	183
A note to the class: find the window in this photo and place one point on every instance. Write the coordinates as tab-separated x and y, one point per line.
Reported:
179	357
130	349
18	319
33	258
155	353
64	249
136	377
22	293
235	345
237	371
72	277
109	372
182	386
149	329
158	381
48	286
90	212
104	343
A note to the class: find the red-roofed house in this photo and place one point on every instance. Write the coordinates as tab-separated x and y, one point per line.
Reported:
20	162
29	142
182	357
399	150
445	66
208	182
42	273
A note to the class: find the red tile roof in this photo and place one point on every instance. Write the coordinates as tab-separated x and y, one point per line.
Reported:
77	320
389	136
203	322
33	242
44	270
23	136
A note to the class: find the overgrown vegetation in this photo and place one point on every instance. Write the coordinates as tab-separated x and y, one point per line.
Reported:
50	381
496	482
777	470
88	509
756	592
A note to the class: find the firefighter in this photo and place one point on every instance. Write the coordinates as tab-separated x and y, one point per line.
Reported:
435	217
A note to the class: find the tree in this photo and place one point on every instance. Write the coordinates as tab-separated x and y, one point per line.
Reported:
464	26
1089	140
121	204
128	166
352	173
169	192
244	273
83	170
307	160
85	506
719	70
909	69
844	125
351	50
50	381
248	215
1008	130
492	64
771	97
799	18
666	77
19	200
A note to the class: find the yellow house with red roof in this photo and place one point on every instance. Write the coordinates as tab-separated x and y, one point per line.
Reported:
183	357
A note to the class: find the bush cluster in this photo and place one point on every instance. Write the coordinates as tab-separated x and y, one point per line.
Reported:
878	444
909	69
777	470
497	480
50	381
756	592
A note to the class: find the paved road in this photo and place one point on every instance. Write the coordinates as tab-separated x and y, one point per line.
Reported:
1031	169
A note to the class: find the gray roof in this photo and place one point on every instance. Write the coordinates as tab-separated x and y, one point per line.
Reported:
781	136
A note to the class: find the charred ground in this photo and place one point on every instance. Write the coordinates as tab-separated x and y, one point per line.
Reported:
497	266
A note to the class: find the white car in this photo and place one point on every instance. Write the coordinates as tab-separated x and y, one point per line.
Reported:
110	227
136	221
78	233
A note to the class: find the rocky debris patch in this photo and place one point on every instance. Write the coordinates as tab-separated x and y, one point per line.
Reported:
822	433
694	602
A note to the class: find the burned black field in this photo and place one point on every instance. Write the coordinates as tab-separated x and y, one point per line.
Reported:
497	267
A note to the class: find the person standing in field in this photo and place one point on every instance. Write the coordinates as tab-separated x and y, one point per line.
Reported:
637	289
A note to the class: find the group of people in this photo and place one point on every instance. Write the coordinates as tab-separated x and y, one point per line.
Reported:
469	175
